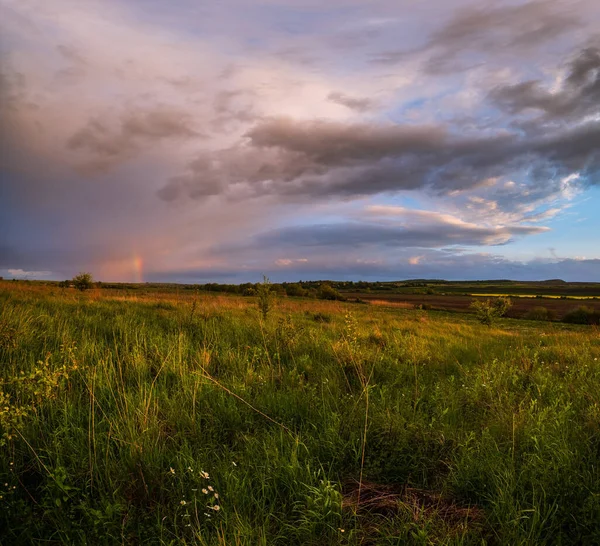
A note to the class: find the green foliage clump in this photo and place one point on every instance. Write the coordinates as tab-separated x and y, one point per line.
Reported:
83	281
328	292
296	290
24	394
582	315
487	311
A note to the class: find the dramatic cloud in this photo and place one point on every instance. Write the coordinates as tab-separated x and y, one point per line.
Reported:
318	159
577	98
229	139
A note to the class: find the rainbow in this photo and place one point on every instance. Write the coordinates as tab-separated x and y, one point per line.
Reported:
138	265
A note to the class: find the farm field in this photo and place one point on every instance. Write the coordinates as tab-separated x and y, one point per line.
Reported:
184	417
521	305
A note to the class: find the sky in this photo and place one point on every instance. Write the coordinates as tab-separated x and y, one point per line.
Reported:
187	141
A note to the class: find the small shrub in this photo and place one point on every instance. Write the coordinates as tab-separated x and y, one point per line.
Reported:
319	512
83	281
265	295
488	311
23	395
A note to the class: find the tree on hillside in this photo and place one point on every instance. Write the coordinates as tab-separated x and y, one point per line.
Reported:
83	281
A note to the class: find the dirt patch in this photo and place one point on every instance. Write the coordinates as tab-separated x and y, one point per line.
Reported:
418	505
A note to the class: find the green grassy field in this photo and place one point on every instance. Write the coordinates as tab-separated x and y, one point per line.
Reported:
165	418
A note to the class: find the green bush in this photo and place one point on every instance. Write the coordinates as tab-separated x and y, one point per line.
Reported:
328	292
295	290
83	281
582	315
488	311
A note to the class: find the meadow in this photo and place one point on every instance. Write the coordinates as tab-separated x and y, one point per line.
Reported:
184	417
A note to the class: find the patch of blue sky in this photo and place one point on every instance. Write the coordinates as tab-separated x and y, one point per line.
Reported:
573	234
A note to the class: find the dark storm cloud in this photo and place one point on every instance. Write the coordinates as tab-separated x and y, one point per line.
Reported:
579	96
304	159
354	103
484	29
308	159
106	144
332	143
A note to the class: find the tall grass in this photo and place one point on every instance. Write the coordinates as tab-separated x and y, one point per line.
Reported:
171	419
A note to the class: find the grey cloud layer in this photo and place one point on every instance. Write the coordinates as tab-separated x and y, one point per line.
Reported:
320	158
354	235
484	29
579	96
288	157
